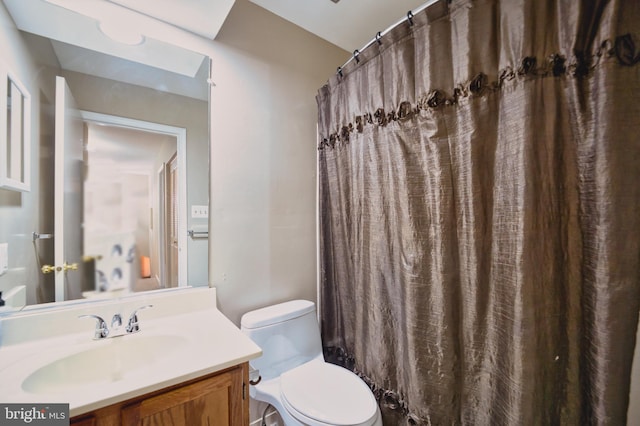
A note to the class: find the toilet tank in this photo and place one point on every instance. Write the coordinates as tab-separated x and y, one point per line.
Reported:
287	333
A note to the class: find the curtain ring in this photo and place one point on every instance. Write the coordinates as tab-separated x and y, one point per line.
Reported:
379	38
339	71
410	18
356	53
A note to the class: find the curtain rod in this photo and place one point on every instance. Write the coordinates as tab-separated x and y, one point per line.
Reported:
379	35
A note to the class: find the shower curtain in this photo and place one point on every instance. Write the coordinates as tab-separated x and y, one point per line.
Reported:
479	197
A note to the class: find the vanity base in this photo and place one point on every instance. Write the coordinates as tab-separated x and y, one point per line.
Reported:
218	399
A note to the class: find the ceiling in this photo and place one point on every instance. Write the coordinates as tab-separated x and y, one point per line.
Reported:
116	150
73	28
202	17
349	24
76	23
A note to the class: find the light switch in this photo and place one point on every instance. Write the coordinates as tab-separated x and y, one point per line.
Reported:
201	212
4	258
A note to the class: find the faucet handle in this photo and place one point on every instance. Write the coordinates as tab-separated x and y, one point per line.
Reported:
101	327
133	325
116	321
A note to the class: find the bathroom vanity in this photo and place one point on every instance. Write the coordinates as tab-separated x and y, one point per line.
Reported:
187	364
217	399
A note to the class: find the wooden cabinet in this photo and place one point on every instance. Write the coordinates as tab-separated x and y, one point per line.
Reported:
216	400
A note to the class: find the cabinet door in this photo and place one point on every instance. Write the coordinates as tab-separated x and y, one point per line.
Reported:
84	421
215	401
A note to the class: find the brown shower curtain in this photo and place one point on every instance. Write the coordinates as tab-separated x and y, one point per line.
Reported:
480	213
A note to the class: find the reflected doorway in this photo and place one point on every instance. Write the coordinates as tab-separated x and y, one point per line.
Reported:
127	206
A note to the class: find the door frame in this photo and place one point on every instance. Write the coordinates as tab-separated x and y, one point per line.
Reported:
160	202
180	133
66	113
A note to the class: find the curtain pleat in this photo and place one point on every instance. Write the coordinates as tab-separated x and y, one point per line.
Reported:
479	231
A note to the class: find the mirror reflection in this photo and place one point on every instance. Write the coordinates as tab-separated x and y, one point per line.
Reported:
114	196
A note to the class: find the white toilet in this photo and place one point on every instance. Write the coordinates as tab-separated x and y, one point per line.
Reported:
295	378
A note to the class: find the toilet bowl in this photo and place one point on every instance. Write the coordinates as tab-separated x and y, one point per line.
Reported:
296	380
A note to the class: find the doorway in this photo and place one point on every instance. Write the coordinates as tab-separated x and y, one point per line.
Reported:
161	255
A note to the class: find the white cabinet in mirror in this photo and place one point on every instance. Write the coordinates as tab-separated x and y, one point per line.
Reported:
15	125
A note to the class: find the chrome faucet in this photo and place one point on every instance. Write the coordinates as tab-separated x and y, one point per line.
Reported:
102	331
133	325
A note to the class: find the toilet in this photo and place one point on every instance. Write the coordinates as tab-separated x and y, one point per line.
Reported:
295	378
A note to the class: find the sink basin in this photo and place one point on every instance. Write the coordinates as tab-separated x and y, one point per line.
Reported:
110	361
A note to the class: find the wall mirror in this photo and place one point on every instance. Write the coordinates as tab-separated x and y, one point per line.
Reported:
129	117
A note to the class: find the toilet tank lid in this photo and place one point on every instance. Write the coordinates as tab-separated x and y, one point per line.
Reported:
276	313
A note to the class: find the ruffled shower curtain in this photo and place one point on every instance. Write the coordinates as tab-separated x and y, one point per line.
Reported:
479	173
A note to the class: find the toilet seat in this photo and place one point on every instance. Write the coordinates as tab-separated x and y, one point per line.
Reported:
319	394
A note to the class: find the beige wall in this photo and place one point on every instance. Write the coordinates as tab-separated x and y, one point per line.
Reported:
262	244
262	241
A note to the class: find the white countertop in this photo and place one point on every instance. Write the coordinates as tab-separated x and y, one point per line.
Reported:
200	342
